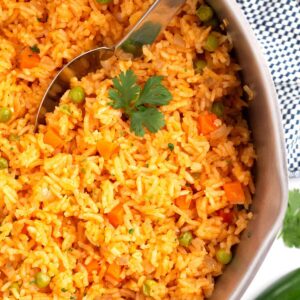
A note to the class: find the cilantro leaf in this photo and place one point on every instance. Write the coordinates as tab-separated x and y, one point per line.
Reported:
154	92
136	123
139	105
149	117
291	225
125	90
35	49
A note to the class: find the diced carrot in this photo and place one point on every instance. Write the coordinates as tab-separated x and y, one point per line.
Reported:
58	240
106	148
116	216
206	123
234	192
45	290
226	216
24	229
199	206
26	187
53	139
81	231
77	294
81	145
183	202
28	59
114	270
93	266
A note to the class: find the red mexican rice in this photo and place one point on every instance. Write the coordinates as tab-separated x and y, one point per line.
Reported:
158	216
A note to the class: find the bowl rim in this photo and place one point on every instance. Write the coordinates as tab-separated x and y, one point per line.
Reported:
279	151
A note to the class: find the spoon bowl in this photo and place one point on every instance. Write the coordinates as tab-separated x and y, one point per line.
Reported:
80	66
144	32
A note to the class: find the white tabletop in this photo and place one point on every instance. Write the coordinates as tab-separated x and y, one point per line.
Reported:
279	261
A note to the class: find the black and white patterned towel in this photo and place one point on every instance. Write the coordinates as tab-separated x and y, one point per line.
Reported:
276	24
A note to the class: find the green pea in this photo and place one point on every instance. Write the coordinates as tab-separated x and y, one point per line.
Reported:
3	163
218	109
149	287
199	65
131	231
212	43
171	146
204	13
223	256
5	114
214	23
104	1
77	94
185	239
42	280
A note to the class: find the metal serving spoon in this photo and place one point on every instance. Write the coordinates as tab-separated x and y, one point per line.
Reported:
144	32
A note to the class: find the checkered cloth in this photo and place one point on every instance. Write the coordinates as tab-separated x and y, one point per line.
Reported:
276	24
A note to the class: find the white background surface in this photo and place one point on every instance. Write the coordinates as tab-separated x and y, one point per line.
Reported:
279	261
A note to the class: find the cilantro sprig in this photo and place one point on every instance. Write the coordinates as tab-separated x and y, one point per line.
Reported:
291	225
140	104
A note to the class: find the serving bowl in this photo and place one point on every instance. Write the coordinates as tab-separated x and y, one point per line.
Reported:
270	171
270	202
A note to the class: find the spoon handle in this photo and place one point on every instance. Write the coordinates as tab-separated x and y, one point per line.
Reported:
150	25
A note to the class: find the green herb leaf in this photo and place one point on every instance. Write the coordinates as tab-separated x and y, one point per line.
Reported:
125	90
150	117
139	104
35	49
154	92
291	225
171	146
